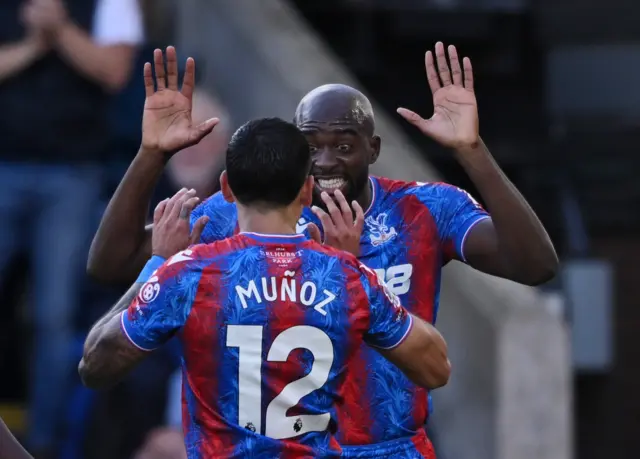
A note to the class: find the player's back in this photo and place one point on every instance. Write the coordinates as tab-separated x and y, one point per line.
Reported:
274	324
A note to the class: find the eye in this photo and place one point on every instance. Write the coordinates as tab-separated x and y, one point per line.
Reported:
344	148
313	149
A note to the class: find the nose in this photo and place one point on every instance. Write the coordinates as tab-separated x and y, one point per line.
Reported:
325	160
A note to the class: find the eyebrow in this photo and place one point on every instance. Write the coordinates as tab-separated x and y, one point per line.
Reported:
342	131
349	131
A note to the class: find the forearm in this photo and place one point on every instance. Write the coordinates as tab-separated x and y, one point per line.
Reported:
435	358
16	57
526	250
103	362
121	245
110	66
423	356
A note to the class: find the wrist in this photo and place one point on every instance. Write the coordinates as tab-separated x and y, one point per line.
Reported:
471	152
154	153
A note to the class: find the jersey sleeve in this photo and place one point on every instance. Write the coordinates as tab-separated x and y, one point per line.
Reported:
223	218
455	212
389	321
162	304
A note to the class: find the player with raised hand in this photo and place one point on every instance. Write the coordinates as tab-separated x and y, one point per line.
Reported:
167	127
269	320
411	230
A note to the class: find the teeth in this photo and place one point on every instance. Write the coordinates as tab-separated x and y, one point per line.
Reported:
331	184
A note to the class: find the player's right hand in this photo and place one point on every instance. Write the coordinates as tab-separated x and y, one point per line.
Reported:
341	230
171	224
167	126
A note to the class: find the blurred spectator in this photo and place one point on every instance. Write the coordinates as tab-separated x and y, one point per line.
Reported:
59	60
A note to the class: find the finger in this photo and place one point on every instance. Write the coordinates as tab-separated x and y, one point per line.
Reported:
327	224
149	89
314	232
172	202
198	228
432	74
159	211
172	68
454	62
443	67
334	212
188	206
158	63
347	215
189	78
358	223
468	73
411	117
202	130
176	211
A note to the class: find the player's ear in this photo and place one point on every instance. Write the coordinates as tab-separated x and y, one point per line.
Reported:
306	192
374	145
225	188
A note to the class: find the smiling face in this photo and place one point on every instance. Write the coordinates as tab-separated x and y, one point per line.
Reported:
338	123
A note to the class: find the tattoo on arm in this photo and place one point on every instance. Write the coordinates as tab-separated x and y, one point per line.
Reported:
108	354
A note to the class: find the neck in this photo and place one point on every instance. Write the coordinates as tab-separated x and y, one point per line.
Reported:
275	221
365	197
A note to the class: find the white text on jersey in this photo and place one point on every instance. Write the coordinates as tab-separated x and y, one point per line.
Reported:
284	289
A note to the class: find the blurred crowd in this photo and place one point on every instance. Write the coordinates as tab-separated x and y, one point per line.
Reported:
71	94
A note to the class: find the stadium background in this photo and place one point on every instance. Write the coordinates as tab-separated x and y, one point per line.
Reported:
549	373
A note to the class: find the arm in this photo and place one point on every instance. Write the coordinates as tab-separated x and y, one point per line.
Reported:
15	57
109	66
108	355
408	342
512	244
152	310
106	55
10	448
145	318
122	243
422	356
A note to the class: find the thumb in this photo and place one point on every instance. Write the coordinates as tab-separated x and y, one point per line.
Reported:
198	227
201	130
314	232
412	117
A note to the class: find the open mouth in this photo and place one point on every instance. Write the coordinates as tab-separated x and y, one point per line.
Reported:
331	184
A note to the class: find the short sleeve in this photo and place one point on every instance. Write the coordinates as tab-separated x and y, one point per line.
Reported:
389	321
223	219
118	22
455	212
163	303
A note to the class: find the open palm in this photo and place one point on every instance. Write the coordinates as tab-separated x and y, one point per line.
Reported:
454	122
166	122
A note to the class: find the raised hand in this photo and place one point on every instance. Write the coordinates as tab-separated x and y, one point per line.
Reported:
341	230
454	122
167	126
171	224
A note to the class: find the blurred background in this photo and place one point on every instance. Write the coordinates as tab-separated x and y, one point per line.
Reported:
548	373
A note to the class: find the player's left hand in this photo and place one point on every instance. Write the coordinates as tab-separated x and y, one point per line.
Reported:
454	122
171	224
341	230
